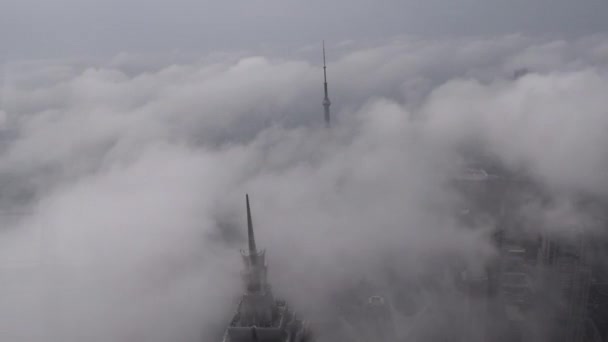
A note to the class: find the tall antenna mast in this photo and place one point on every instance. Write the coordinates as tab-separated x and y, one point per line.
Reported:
326	102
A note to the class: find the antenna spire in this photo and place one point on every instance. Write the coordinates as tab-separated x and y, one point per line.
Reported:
251	237
326	102
324	67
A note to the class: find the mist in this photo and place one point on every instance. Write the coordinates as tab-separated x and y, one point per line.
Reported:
123	180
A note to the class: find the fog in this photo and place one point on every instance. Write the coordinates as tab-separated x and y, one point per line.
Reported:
123	180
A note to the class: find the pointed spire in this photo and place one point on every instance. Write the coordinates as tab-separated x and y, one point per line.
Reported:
326	102
324	69
251	237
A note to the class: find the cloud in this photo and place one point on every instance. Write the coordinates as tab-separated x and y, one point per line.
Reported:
537	122
135	175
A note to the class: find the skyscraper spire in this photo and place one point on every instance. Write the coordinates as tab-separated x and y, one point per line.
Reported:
326	102
252	250
260	317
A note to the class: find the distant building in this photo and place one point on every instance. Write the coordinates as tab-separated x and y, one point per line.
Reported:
597	321
564	267
537	288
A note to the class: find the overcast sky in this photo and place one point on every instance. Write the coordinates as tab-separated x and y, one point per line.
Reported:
60	28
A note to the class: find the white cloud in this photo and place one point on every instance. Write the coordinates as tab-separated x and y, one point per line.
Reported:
138	177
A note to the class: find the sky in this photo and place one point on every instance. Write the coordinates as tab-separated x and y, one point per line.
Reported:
131	132
63	28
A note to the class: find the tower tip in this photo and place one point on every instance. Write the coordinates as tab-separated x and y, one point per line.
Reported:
324	65
250	236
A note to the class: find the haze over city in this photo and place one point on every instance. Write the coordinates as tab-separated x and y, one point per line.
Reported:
461	133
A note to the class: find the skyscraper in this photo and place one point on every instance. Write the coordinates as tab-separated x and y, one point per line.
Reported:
261	317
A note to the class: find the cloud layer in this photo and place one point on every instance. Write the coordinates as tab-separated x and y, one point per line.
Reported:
130	178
